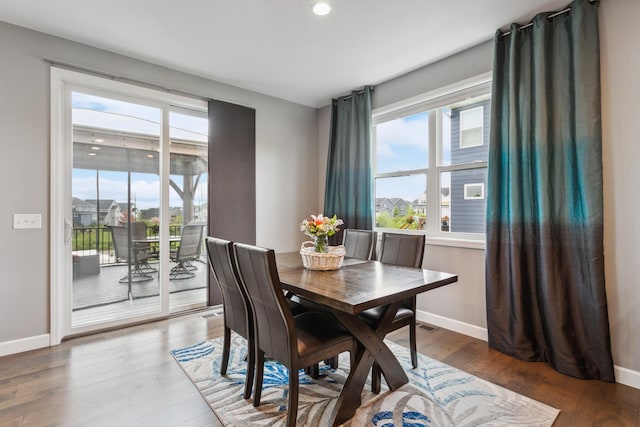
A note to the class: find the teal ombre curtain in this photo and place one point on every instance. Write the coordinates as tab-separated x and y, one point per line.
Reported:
349	185
545	282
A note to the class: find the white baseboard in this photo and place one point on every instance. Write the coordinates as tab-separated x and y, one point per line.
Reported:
623	375
452	325
24	344
627	377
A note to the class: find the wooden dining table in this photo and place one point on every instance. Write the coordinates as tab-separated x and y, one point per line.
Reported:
357	286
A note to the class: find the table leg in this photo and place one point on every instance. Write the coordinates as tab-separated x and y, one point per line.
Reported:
371	349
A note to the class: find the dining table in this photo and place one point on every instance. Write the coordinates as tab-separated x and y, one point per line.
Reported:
357	286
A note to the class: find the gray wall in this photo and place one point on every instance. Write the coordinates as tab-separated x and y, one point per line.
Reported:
287	135
286	149
462	306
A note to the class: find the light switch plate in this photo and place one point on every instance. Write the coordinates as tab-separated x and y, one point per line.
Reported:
22	221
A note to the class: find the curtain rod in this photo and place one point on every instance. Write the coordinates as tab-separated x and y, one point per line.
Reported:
101	73
355	92
553	15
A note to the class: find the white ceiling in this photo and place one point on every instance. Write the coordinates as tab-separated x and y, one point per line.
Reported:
279	47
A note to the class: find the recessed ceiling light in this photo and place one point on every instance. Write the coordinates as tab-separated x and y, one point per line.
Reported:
98	140
150	156
95	148
321	8
91	154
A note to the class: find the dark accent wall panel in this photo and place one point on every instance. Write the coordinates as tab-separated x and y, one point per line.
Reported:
232	177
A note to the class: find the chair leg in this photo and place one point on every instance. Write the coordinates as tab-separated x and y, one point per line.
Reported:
313	371
257	394
226	343
251	367
376	378
412	344
333	362
292	413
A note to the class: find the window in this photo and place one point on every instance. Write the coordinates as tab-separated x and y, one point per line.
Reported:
431	162
471	127
474	191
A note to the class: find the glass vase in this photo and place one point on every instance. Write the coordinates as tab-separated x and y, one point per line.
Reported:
321	244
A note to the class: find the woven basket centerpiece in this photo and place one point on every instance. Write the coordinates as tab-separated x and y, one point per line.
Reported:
312	260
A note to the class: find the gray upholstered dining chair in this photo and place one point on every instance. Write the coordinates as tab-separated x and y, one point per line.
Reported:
406	250
237	312
359	244
294	341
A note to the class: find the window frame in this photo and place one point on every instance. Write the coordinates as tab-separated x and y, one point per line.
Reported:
432	102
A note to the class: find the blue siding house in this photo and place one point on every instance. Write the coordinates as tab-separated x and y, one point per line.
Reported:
469	143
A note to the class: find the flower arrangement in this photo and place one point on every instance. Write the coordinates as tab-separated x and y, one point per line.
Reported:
320	228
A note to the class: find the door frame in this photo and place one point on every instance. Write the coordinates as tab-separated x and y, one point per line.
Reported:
61	163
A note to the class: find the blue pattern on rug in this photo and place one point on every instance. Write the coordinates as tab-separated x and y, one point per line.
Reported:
409	419
436	395
193	352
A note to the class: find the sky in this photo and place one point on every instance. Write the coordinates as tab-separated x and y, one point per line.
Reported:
401	145
124	116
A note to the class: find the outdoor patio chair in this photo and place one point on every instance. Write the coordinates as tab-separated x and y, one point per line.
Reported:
139	237
127	251
188	250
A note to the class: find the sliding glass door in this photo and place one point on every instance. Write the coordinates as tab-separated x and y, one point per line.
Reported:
134	169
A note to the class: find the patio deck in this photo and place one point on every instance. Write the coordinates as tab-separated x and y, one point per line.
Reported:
101	297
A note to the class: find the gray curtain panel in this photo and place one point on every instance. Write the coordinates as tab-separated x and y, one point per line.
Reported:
545	282
349	185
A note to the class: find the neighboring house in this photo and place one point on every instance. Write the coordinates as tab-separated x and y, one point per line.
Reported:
469	142
201	212
108	212
393	206
84	212
103	207
420	204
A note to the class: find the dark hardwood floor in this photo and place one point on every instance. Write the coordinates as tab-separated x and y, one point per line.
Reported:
128	378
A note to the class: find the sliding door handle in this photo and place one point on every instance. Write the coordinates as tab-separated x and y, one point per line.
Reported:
68	232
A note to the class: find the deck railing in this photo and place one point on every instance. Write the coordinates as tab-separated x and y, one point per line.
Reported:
93	240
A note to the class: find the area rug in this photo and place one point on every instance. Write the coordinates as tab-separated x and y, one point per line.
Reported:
436	395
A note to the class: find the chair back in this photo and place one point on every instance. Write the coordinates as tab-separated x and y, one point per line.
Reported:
402	249
138	230
237	312
273	321
359	243
120	240
190	242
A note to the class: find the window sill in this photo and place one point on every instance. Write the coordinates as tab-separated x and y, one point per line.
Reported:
438	241
457	243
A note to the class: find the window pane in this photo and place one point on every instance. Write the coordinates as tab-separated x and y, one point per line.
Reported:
116	195
465	131
188	198
402	144
462	200
401	202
